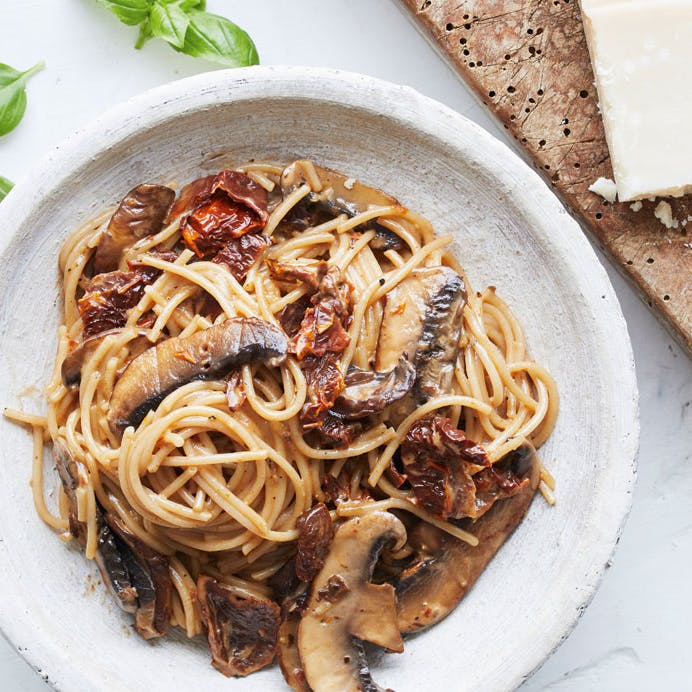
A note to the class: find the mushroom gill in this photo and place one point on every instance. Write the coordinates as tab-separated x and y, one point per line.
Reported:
422	322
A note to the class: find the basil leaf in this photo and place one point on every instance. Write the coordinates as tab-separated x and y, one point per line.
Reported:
5	186
187	5
169	22
13	95
129	12
219	40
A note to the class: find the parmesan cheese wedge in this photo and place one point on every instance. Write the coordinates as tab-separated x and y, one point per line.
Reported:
641	52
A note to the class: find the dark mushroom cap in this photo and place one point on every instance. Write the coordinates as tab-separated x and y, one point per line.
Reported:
141	213
71	369
150	576
204	355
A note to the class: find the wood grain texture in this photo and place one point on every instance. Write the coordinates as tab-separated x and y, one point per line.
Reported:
528	62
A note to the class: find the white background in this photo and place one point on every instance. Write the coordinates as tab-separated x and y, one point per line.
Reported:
635	635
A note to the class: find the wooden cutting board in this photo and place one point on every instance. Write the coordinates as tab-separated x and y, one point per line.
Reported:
528	62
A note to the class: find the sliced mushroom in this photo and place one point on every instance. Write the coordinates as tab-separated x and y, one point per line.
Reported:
338	194
242	632
71	369
422	321
109	552
204	355
141	213
287	646
370	391
446	567
73	475
112	558
150	577
344	604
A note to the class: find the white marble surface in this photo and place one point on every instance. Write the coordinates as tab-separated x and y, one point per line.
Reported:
635	634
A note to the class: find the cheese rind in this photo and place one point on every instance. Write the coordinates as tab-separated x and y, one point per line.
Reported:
641	52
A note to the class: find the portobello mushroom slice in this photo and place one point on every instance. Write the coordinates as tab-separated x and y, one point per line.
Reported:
287	645
344	605
141	212
150	577
109	554
242	632
112	558
447	568
71	369
204	355
337	194
368	391
422	322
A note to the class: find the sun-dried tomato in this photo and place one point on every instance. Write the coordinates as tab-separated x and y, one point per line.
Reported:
336	432
292	315
239	254
244	190
109	296
325	383
437	460
238	186
315	534
496	483
191	196
214	222
324	326
242	632
224	207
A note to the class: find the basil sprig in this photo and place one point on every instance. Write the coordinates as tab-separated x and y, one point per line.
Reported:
13	95
5	187
188	28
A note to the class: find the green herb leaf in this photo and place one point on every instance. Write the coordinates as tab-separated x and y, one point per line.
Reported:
131	12
144	34
187	5
219	40
13	95
169	22
5	186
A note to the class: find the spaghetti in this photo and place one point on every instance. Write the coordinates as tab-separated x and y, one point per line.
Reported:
217	474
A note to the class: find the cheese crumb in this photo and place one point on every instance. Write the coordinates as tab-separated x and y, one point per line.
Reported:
606	188
349	183
664	213
636	206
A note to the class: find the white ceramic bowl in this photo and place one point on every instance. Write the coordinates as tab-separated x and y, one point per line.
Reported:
510	231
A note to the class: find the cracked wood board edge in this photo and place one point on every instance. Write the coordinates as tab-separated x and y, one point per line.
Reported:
566	143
